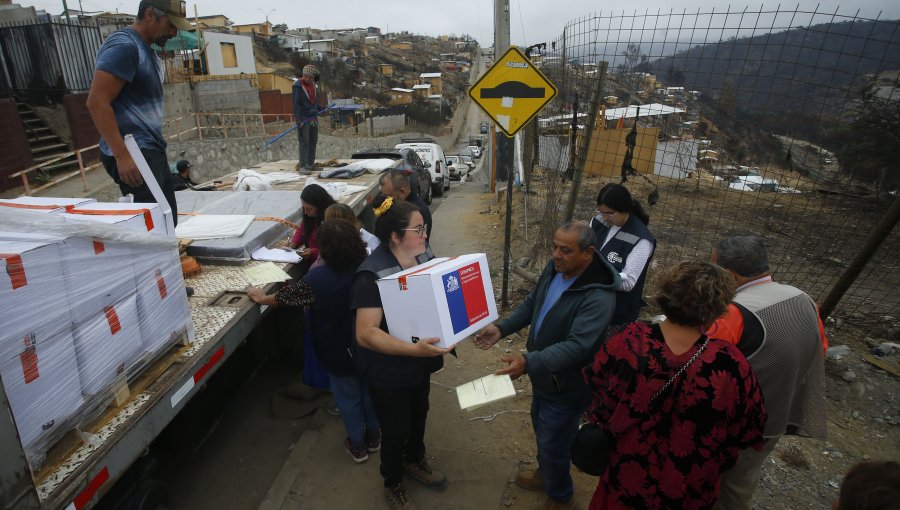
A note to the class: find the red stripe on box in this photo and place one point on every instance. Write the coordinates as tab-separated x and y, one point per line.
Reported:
29	360
216	357
161	285
113	319
90	491
99	247
148	216
15	268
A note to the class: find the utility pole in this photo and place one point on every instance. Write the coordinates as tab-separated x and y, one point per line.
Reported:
505	145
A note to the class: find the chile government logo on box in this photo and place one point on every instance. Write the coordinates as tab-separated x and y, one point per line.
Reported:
466	301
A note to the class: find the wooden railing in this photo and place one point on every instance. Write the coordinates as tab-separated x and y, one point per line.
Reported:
244	125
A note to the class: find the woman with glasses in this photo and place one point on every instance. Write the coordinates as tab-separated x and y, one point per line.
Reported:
624	241
397	372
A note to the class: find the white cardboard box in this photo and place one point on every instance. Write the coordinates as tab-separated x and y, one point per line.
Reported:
44	204
136	216
448	298
32	291
163	310
42	385
107	345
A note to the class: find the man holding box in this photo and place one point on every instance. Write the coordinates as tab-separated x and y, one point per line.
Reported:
568	312
126	97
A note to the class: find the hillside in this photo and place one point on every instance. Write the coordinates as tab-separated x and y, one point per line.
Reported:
805	69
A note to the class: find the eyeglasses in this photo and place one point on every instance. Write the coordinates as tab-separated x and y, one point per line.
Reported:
420	230
606	214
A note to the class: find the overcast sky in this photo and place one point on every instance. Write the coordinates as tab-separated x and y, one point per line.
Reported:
531	21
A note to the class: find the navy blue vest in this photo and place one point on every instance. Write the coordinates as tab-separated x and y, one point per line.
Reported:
332	320
384	370
616	251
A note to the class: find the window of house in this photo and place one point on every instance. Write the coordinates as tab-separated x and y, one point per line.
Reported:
229	55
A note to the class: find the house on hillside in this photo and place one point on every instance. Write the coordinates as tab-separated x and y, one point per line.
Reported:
292	40
325	47
264	29
398	96
219	21
228	54
422	91
386	69
435	80
373	39
109	22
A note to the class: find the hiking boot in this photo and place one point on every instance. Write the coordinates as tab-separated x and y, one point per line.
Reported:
397	498
530	479
422	472
359	455
373	444
550	504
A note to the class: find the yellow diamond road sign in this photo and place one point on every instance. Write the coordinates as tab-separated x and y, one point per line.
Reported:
512	91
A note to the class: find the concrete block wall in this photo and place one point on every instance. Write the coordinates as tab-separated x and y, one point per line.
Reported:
178	101
232	95
388	124
14	152
81	125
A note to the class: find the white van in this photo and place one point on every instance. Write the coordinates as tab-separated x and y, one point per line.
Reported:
433	156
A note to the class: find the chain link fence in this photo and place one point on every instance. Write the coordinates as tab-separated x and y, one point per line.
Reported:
783	124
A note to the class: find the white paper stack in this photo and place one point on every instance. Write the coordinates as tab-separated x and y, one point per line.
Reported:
37	354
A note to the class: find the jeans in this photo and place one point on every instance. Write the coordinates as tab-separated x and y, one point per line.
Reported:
159	165
356	408
308	136
402	413
555	426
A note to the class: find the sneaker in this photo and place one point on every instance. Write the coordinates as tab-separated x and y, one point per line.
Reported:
422	472
530	479
396	497
332	408
359	455
373	444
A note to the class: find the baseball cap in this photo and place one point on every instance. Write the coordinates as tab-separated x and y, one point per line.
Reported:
176	10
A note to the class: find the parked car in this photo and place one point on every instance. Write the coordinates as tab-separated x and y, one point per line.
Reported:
432	155
456	167
475	150
468	161
484	128
409	162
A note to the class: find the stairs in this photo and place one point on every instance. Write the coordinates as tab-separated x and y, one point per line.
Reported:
44	144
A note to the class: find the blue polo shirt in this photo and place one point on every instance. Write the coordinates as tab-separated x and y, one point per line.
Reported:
139	106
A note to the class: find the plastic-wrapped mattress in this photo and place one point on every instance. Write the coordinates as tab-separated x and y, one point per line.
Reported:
237	250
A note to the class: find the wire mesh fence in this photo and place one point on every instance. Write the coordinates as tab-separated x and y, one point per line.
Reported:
783	124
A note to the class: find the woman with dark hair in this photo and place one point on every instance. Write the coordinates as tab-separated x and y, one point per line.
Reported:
678	406
396	372
344	211
315	200
624	241
327	290
873	485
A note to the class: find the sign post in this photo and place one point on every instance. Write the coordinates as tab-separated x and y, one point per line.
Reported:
511	92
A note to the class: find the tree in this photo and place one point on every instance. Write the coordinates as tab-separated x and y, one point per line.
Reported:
281	27
865	154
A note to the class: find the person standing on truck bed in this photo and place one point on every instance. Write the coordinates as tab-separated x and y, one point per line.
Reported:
305	98
126	97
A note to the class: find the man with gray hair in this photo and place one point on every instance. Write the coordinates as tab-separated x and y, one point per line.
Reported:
568	312
778	329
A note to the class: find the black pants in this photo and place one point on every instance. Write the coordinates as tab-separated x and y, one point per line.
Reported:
402	413
159	165
308	137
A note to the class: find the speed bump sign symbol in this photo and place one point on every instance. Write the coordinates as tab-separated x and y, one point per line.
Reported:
512	91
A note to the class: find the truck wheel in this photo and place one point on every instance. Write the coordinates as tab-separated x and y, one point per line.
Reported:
427	198
150	495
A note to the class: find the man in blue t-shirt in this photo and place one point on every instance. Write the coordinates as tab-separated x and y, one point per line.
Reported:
126	97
